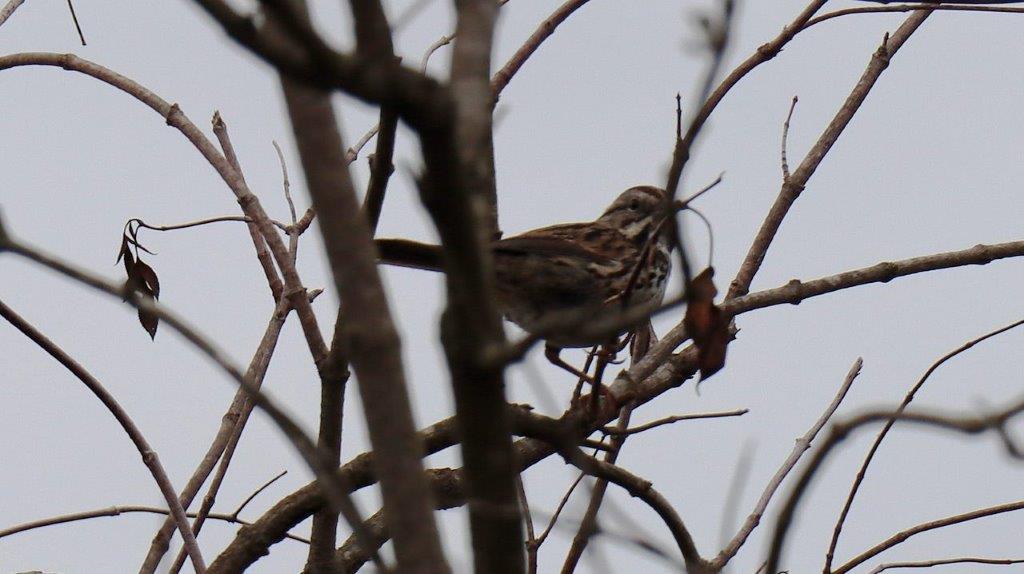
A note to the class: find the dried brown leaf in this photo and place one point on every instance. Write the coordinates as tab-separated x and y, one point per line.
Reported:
706	324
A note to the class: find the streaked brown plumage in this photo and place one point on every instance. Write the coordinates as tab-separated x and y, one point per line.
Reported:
572	270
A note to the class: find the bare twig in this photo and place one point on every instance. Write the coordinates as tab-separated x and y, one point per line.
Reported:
223	445
763	54
855	487
381	168
903	535
802	445
962	560
250	204
531	535
259	242
794	185
796	291
673	419
996	421
785	140
117	511
256	493
74	18
149	456
293	230
285	183
200	222
437	45
588	525
335	490
558	511
233	423
643	490
717	32
9	9
501	79
913	7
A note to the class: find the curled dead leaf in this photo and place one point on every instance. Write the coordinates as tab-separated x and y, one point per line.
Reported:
706	324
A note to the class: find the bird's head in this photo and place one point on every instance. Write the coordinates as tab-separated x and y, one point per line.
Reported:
638	211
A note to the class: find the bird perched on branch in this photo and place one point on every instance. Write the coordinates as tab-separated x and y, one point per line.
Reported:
552	281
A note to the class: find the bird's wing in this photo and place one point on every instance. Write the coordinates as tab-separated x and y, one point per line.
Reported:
559	240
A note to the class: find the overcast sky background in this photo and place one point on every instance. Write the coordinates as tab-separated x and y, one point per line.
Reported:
931	163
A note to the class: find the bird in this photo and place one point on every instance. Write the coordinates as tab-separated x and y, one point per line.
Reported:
551	280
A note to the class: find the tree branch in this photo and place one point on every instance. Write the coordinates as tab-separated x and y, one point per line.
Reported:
117	511
542	33
227	436
802	445
794	185
9	9
462	203
841	431
335	490
855	487
149	456
368	336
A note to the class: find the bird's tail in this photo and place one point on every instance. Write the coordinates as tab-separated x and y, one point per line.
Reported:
405	253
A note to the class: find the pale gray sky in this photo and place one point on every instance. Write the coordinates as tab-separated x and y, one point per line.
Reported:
931	163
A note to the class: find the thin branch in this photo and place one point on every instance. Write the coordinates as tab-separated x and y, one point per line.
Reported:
466	222
74	18
9	9
381	168
149	456
841	431
437	45
293	231
793	186
546	28
673	419
335	489
903	535
718	34
801	446
208	500
257	492
558	511
963	560
117	511
200	222
642	489
440	43
531	535
763	54
914	8
231	426
367	334
785	140
353	151
796	291
588	524
250	204
907	399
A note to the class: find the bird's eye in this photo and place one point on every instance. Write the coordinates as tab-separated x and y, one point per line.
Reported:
634	205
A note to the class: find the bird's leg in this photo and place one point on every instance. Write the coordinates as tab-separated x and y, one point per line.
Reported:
579	383
610	351
552	355
605	357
